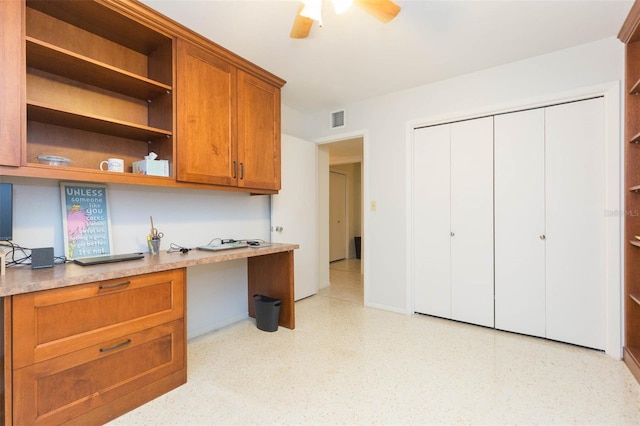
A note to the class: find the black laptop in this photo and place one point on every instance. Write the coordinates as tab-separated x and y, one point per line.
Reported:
108	258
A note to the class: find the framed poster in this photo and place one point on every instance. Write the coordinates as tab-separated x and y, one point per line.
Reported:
85	220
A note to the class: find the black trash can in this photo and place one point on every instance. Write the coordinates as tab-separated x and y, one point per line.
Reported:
358	243
267	312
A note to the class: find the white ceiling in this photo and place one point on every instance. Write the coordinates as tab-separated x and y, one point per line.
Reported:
355	57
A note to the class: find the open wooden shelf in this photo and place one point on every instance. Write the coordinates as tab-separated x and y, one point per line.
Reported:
125	177
95	79
62	62
630	35
43	113
632	360
105	21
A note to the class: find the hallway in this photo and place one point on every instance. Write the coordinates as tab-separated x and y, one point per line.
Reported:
346	282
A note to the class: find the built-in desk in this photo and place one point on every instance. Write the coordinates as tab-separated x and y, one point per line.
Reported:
88	343
270	271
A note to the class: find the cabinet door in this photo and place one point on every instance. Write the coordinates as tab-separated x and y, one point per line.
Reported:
519	222
258	133
432	284
99	382
51	323
472	221
575	190
11	83
206	117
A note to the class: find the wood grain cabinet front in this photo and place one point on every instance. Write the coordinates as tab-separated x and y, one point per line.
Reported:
87	80
228	123
258	133
92	352
630	35
206	123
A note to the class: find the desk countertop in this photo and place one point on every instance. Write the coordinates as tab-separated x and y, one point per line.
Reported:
24	279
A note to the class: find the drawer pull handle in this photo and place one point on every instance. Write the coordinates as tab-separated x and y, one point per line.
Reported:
119	345
110	286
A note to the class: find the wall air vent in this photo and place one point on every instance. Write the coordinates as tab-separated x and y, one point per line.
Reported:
337	119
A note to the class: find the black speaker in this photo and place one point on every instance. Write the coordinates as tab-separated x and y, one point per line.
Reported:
42	258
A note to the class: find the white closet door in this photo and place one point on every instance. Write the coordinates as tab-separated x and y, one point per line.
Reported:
575	188
519	222
472	221
432	221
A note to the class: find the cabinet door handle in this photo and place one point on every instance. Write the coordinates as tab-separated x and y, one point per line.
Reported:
453	234
112	286
116	346
543	237
235	169
241	171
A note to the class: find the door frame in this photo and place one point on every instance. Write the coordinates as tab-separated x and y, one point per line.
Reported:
364	267
614	214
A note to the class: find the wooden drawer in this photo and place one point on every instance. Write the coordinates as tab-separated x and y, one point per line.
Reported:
51	323
101	377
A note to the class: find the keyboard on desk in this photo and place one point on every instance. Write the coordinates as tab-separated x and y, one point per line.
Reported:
109	258
225	246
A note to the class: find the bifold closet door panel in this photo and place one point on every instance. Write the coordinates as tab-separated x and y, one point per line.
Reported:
519	222
432	221
472	221
575	191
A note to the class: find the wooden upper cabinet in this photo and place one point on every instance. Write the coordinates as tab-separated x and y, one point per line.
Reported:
88	80
206	121
228	130
11	83
258	133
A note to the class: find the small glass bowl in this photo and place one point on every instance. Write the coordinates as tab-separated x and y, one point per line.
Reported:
53	160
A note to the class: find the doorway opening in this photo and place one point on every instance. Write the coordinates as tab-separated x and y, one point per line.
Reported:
344	228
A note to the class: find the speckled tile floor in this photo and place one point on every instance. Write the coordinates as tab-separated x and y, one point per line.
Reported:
348	364
346	281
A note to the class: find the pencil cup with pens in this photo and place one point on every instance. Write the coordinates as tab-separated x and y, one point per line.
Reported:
154	238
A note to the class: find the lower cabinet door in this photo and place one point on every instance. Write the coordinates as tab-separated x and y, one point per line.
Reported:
51	323
61	389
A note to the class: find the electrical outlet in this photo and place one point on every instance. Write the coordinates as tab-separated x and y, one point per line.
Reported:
374	206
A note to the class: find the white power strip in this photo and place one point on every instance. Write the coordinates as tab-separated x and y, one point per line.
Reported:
3	259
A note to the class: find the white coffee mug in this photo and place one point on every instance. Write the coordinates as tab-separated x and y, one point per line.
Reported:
113	165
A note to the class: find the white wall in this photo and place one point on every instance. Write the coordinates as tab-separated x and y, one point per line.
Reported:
294	123
385	120
216	294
